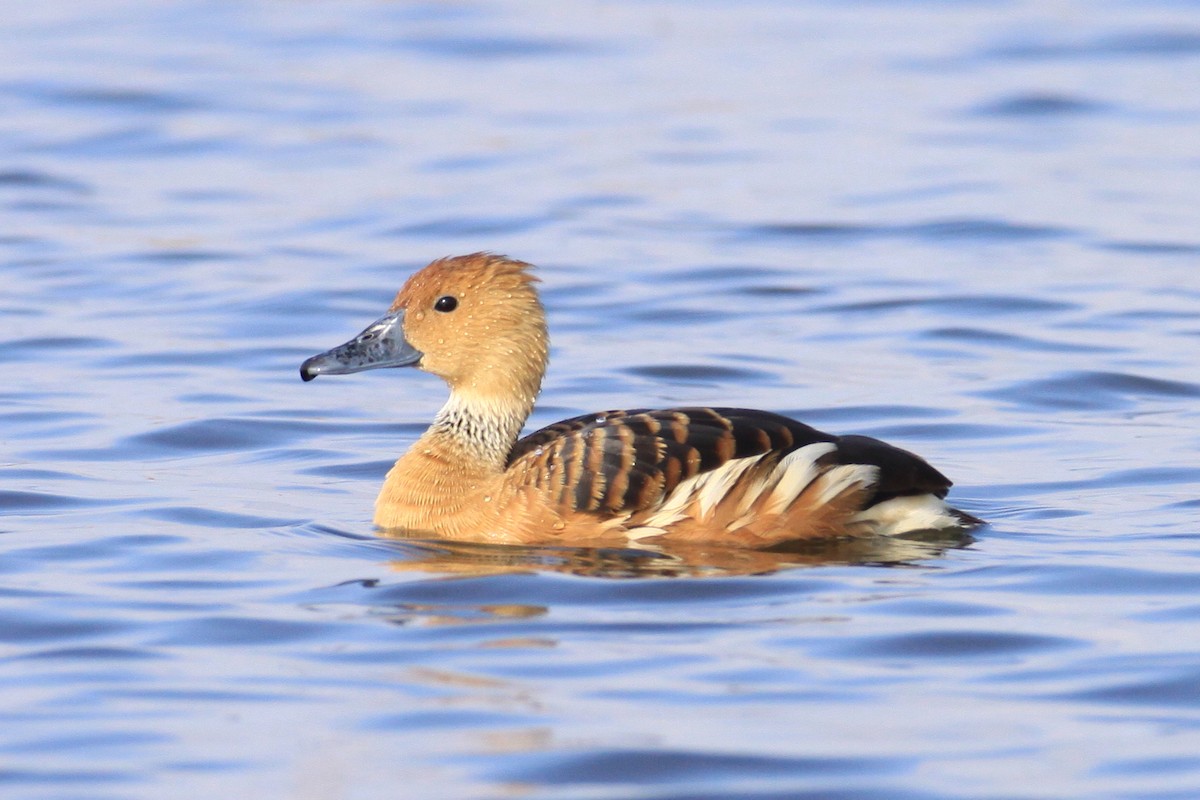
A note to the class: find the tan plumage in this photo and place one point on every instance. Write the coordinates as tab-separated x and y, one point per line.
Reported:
718	475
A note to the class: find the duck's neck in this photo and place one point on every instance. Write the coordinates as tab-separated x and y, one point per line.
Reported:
451	479
479	428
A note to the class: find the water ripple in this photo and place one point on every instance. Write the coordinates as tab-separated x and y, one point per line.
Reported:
1176	688
211	518
211	435
49	346
498	48
24	179
17	501
965	644
659	767
939	230
1146	43
702	373
471	227
1092	391
1038	106
240	631
965	305
992	338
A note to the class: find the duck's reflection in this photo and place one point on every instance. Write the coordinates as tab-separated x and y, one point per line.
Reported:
667	560
444	614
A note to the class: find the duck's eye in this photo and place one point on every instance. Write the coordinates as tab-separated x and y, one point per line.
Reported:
446	303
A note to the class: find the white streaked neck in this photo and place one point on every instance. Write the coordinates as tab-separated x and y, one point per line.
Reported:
484	427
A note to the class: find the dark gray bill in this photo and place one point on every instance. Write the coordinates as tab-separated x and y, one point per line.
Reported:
382	344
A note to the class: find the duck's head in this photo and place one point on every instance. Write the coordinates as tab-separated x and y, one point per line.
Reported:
474	320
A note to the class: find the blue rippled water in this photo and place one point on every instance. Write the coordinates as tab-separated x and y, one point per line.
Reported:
969	228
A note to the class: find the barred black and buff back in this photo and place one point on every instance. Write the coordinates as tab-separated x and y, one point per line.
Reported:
620	461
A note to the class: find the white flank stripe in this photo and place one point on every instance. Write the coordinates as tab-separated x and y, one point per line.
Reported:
794	473
716	484
841	478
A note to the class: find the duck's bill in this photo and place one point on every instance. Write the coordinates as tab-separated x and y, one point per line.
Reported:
381	344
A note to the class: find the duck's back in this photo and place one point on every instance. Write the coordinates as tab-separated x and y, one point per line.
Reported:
740	475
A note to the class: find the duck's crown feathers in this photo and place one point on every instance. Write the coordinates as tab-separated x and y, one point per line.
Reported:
463	273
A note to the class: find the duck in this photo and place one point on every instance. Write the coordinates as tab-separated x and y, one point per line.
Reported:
692	475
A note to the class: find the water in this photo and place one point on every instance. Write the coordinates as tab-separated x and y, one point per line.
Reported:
969	228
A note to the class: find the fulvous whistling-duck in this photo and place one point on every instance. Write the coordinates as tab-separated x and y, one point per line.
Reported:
716	475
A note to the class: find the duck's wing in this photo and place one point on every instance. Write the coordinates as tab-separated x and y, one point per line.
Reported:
621	461
900	472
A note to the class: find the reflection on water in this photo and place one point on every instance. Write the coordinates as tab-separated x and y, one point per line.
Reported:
460	614
669	559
